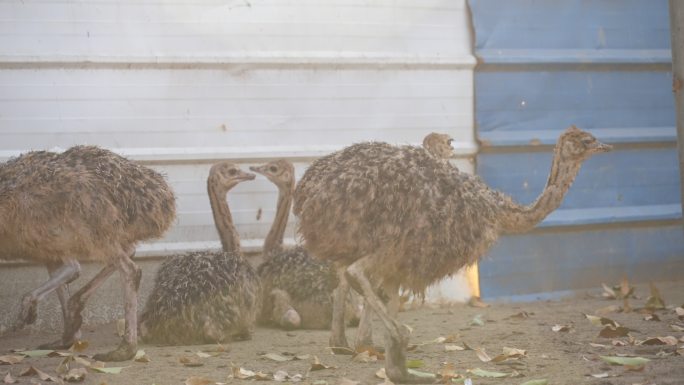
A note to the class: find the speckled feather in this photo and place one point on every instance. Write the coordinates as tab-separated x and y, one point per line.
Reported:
202	297
308	281
86	203
376	206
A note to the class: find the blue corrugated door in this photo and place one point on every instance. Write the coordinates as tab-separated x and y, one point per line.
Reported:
603	66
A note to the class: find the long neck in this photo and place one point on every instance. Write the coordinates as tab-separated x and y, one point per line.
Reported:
517	218
230	240
274	238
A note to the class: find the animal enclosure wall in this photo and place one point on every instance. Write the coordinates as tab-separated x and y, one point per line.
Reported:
603	66
178	85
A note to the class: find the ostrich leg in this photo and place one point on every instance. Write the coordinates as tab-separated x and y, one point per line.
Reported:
130	275
396	335
364	333
74	308
61	275
338	339
63	296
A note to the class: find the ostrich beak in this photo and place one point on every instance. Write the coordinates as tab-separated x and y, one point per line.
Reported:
602	147
258	169
247	176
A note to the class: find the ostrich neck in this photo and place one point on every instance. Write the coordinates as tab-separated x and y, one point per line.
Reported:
518	218
230	240
274	239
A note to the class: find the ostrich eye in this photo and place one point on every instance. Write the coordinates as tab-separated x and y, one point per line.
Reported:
273	169
232	172
449	141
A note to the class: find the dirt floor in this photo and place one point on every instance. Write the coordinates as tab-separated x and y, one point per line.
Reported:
569	356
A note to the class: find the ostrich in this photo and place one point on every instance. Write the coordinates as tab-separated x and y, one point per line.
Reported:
394	216
85	204
297	288
206	297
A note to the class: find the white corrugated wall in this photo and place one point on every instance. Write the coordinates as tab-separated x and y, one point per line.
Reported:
180	84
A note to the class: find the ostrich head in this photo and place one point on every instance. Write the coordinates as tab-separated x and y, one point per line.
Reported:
227	175
280	172
439	145
576	145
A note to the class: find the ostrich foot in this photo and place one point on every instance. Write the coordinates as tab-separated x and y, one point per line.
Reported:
28	313
340	345
123	352
290	320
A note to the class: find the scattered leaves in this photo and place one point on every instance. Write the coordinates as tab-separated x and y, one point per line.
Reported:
277	357
140	356
35	353
75	375
600	321
655	301
536	382
519	316
32	370
364	356
79	346
110	370
190	362
482	355
282	376
317	365
669	340
11	359
199	381
614	332
9	379
561	328
608	292
477	321
625	361
453	348
485	373
677	328
652	317
420	374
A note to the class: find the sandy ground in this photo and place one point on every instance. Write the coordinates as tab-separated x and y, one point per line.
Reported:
560	357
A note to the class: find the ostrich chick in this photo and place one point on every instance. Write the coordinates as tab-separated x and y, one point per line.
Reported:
297	288
394	216
206	297
85	204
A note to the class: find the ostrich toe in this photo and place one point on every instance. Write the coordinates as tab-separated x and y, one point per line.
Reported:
123	352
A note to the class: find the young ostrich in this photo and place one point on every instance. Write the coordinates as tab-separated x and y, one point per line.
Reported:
439	145
206	297
297	288
85	204
395	216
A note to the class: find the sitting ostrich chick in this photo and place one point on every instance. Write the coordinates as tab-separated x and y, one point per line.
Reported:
297	289
396	216
206	297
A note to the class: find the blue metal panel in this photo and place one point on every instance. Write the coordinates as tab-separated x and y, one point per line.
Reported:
603	66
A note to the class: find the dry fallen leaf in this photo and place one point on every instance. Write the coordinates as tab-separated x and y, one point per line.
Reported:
9	379
448	372
614	332
380	373
76	375
655	301
669	340
482	355
453	348
371	350
199	381
485	373
364	356
79	346
140	356
519	316
317	365
652	317
346	381
609	309
277	357
600	321
677	328
561	328
632	362
190	362
608	292
477	321
11	359
680	312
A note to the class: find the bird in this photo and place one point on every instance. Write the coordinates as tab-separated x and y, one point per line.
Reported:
396	216
297	288
206	296
84	204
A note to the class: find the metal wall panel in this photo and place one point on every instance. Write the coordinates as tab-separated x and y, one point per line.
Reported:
603	66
